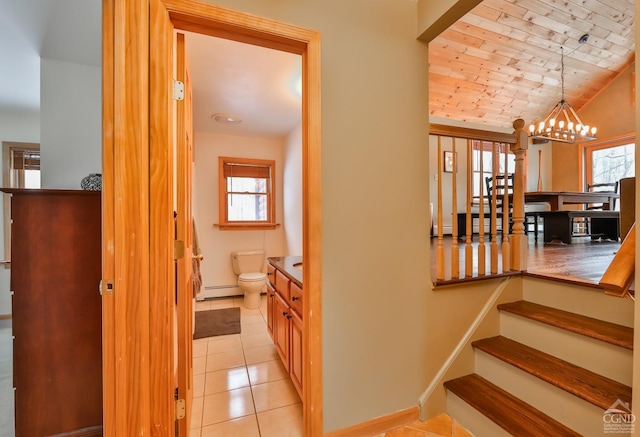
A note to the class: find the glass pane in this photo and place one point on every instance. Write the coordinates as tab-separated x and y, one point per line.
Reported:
246	185
613	163
32	179
247	207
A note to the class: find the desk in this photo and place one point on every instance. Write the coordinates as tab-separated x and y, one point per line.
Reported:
557	199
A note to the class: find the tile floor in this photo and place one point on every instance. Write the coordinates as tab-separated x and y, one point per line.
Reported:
241	388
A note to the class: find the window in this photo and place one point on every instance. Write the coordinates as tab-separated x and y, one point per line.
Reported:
21	169
246	193
483	151
609	161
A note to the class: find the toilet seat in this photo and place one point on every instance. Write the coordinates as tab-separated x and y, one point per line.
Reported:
252	277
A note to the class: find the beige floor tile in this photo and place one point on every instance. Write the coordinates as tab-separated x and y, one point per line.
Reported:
281	422
460	431
198	385
194	432
226	302
225	344
224	360
217	338
242	427
249	312
408	432
261	354
196	412
256	328
225	380
227	405
200	347
255	340
202	305
274	394
199	365
441	424
267	371
251	319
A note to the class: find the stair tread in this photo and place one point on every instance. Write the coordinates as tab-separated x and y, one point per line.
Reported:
596	389
507	411
606	331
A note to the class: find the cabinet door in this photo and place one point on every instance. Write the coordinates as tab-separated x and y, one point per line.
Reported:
271	296
295	369
281	329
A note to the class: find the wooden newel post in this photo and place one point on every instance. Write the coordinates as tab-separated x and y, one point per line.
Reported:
519	238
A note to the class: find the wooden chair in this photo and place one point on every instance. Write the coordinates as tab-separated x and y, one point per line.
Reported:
530	218
585	222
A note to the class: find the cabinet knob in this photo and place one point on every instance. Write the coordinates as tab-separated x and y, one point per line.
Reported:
288	316
294	298
271	295
284	313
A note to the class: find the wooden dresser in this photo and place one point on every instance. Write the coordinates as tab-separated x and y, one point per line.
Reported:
57	312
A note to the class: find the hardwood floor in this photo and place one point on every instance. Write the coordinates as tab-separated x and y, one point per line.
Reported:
583	261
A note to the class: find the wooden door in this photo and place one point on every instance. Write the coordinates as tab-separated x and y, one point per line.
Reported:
184	222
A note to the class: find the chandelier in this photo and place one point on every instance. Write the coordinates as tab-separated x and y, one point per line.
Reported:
563	124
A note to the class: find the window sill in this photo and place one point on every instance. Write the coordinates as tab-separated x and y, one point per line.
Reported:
246	226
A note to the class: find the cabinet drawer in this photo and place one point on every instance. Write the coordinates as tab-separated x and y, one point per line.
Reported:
295	297
282	285
271	274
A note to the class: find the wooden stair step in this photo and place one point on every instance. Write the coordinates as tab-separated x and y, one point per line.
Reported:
507	411
606	331
596	389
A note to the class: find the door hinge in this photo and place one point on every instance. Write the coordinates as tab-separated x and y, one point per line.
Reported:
178	90
178	249
105	287
181	409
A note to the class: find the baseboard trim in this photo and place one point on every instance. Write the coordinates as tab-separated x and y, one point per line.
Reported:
378	425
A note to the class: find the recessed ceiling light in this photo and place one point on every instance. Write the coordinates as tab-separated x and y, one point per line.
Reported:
227	118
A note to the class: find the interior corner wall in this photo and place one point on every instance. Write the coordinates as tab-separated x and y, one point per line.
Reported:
375	202
611	119
71	123
20	128
292	192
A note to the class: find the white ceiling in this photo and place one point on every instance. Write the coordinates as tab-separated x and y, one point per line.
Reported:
256	83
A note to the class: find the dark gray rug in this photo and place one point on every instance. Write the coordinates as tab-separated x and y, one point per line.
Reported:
222	321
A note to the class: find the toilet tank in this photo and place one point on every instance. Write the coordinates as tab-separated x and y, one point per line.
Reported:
247	262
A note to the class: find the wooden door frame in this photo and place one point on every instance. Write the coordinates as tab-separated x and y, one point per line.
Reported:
138	309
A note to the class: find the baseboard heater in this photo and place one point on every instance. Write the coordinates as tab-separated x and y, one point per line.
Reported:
213	291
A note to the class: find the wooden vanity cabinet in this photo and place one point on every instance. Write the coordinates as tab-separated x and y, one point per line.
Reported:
286	323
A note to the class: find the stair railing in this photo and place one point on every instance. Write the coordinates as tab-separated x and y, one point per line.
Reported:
619	276
513	247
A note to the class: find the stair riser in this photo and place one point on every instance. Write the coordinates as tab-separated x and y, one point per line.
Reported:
475	422
591	302
564	407
598	356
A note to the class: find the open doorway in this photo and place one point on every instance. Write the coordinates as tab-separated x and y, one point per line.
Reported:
246	105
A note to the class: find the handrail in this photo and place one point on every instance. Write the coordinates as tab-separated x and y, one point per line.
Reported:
619	276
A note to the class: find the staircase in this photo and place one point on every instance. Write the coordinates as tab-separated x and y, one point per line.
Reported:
563	357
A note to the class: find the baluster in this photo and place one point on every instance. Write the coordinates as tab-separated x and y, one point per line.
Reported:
506	247
440	247
455	250
482	268
468	248
494	209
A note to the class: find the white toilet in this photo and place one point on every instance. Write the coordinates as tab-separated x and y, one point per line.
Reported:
251	280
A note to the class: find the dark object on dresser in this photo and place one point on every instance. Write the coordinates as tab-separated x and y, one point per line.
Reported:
57	311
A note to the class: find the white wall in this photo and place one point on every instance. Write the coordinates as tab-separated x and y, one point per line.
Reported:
292	192
22	128
71	123
217	244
